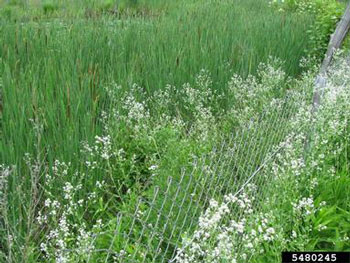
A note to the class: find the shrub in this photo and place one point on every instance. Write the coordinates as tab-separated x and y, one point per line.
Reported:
327	16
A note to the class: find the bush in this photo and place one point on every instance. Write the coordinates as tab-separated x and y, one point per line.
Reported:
328	14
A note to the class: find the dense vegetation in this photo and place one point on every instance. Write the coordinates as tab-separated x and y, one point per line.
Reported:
102	101
303	207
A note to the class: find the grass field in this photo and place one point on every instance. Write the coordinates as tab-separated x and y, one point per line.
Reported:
101	101
56	63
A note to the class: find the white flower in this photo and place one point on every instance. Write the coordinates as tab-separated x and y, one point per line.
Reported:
153	167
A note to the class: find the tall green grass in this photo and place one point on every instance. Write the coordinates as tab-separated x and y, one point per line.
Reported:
55	67
56	70
24	10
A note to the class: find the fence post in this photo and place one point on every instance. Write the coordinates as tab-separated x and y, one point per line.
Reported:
335	43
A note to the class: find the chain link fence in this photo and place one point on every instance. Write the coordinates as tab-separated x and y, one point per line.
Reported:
155	228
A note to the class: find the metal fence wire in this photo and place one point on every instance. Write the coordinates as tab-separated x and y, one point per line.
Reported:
153	230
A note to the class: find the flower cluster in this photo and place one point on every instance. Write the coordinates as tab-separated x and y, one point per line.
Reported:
67	239
301	6
4	174
229	230
256	94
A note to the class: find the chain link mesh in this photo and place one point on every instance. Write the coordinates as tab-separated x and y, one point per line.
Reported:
152	231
